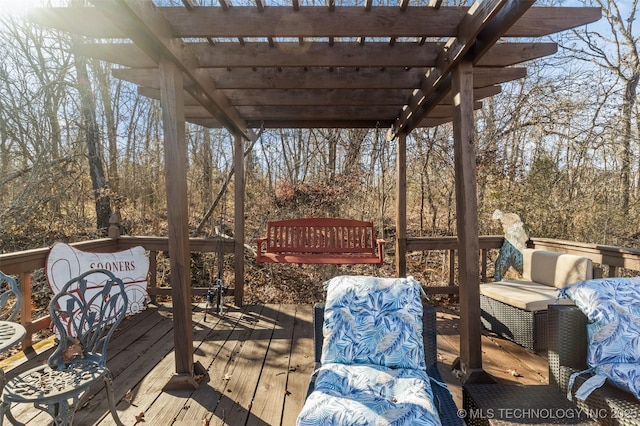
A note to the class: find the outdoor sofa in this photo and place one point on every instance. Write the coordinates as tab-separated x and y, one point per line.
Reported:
517	309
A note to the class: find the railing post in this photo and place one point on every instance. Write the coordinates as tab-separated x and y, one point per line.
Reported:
153	275
483	265
114	225
452	267
25	310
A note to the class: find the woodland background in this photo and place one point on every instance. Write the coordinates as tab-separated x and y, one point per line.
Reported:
561	148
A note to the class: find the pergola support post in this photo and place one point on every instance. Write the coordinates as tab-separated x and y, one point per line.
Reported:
238	253
401	205
175	152
470	362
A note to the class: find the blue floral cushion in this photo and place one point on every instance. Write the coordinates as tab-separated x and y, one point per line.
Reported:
612	307
371	320
369	395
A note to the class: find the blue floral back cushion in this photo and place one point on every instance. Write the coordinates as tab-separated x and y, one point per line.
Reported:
372	320
612	307
369	395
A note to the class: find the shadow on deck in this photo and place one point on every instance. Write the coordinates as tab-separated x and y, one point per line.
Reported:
258	359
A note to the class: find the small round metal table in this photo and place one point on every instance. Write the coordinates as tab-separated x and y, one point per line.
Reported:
11	333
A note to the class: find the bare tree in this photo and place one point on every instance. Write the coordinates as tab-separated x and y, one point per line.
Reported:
616	50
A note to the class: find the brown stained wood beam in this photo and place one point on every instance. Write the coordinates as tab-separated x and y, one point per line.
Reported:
300	124
467	224
326	97
310	55
435	3
256	113
346	21
301	97
342	78
507	54
189	4
433	87
150	31
317	21
319	124
482	30
319	97
354	21
401	205
292	78
175	150
373	54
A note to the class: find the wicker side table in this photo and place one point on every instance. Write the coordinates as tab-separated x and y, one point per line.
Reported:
497	404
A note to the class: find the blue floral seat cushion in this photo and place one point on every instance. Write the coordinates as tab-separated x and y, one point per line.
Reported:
375	321
612	307
353	395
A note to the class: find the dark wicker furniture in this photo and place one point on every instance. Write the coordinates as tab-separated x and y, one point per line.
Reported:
608	405
447	409
526	328
499	404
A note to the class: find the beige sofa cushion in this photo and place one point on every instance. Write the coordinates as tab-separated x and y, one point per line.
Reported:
555	269
525	295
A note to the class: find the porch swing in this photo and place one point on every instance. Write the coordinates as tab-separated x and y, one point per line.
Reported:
315	240
321	240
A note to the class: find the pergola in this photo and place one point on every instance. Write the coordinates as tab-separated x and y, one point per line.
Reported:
244	67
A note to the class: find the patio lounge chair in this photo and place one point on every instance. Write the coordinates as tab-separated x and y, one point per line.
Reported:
375	352
84	323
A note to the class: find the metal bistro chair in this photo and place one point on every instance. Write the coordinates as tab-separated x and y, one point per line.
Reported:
84	327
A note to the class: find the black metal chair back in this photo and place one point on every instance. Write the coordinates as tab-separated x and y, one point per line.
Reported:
85	317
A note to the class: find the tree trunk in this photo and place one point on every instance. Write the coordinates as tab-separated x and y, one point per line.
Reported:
92	137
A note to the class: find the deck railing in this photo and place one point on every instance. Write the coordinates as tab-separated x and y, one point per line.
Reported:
24	263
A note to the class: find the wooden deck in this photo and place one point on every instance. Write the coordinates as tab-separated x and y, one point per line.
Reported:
258	359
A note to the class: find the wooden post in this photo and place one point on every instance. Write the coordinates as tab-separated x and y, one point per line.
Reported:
467	224
452	267
114	225
238	252
401	206
175	157
25	310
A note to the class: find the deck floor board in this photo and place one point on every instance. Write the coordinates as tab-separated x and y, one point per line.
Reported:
258	361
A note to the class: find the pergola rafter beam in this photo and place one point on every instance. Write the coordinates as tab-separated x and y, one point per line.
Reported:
292	54
342	78
479	32
309	21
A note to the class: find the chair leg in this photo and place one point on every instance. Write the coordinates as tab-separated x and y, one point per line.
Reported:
112	405
61	412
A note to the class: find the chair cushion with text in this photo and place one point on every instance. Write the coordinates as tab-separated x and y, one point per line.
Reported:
372	320
131	266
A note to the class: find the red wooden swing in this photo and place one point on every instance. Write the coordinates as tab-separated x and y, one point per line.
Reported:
320	241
